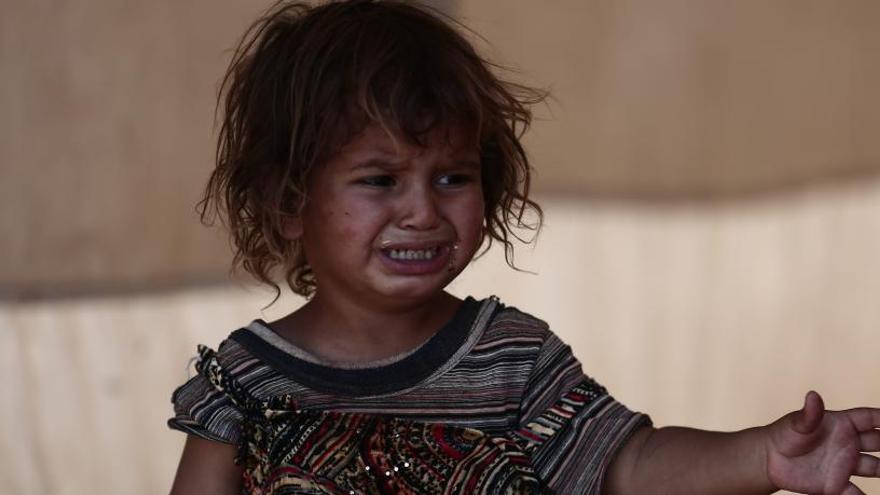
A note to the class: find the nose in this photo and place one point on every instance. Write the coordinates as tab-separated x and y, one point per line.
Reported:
419	209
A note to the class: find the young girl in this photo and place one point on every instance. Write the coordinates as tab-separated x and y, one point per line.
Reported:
368	153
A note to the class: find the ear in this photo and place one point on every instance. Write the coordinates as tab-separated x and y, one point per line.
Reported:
292	227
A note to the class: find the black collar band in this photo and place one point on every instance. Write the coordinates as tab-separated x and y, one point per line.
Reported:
369	381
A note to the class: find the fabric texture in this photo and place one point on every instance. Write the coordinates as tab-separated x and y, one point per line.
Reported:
493	403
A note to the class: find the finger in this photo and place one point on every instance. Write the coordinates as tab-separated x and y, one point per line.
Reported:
807	419
868	466
865	418
869	441
852	490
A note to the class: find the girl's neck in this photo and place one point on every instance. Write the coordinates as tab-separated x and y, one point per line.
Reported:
344	332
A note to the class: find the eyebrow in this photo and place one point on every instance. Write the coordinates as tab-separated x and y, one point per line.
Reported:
372	163
378	162
469	163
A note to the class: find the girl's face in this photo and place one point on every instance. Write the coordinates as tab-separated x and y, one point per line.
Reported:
391	224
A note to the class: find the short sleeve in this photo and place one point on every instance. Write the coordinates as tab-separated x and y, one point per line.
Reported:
204	409
571	426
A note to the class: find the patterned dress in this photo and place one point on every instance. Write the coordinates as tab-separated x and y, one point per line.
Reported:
493	403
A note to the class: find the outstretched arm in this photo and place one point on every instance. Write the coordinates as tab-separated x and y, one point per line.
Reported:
207	467
807	451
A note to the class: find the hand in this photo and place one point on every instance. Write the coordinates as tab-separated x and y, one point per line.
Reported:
816	451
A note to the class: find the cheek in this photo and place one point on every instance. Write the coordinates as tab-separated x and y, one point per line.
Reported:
348	231
356	219
470	213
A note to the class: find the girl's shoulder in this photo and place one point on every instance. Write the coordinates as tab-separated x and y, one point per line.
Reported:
513	323
513	317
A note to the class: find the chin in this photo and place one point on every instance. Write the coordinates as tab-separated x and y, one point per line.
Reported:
415	290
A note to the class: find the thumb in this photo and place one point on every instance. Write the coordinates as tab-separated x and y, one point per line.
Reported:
808	419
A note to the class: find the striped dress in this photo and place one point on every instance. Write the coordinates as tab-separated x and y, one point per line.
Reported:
494	402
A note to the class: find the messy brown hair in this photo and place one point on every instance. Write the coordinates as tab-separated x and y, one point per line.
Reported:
306	79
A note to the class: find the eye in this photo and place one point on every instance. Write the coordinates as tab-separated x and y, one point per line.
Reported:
378	181
454	179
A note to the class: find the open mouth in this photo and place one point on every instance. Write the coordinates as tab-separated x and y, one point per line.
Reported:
412	254
417	259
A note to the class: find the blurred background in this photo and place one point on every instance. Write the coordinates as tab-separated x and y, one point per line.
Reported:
710	172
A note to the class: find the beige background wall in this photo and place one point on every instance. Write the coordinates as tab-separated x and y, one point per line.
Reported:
696	98
708	168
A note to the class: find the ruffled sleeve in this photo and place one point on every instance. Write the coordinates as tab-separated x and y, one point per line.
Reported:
205	406
569	424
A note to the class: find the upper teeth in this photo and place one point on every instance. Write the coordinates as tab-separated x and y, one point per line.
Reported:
413	254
